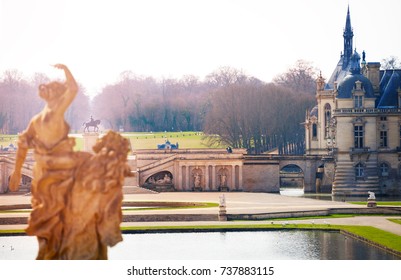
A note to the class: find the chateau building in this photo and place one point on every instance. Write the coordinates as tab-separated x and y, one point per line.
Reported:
357	123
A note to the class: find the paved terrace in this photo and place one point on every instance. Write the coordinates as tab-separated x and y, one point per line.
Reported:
245	204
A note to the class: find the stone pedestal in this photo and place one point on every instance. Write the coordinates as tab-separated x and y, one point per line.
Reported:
372	202
222	208
90	139
222	213
197	189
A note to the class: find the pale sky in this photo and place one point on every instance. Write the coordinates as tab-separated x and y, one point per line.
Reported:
100	39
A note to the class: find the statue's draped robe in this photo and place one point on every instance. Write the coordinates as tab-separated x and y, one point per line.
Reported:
76	200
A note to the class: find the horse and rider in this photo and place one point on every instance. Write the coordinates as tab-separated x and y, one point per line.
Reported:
93	123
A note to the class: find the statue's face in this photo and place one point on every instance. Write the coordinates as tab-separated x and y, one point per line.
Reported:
44	92
50	91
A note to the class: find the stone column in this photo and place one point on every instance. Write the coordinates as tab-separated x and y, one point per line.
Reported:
90	139
207	187
213	177
179	181
187	187
233	177
3	184
240	177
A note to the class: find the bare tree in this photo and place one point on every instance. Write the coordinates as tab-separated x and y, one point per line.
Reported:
225	76
300	78
256	116
391	62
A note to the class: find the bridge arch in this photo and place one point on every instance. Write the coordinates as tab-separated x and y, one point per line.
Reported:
292	177
160	181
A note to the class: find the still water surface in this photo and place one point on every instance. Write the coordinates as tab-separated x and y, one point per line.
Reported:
262	245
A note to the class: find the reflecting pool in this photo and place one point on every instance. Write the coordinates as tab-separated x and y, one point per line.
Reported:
262	245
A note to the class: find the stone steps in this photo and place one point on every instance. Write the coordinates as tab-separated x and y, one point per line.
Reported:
346	182
137	190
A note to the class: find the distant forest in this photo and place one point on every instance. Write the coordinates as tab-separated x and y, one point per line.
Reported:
243	110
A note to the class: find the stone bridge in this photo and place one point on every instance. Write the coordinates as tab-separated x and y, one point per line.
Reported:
218	170
207	170
7	163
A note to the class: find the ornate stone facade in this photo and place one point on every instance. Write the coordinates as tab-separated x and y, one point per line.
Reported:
357	121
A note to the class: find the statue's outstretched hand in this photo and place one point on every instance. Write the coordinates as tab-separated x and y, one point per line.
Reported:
15	181
60	66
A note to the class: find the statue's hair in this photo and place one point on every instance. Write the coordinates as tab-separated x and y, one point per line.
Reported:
55	86
105	174
108	167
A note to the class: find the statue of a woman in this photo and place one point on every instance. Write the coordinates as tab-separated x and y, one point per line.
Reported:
60	174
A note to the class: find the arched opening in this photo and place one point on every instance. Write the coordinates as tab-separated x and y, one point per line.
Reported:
327	118
161	181
291	180
319	178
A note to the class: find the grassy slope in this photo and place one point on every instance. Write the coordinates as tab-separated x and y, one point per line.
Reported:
185	140
143	140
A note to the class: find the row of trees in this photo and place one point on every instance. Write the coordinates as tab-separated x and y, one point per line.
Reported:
19	102
257	116
244	111
136	103
144	104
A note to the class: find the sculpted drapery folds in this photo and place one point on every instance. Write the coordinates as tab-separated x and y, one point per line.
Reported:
76	196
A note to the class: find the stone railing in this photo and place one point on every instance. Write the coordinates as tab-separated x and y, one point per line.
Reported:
347	111
359	150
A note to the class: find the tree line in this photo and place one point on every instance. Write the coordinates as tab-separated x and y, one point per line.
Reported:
19	102
243	111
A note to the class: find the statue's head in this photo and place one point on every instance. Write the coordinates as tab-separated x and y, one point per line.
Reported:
51	90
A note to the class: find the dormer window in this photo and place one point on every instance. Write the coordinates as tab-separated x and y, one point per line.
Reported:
358	101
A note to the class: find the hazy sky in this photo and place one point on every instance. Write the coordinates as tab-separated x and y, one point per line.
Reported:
169	38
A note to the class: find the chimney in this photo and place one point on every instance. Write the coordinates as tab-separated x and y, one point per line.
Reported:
373	74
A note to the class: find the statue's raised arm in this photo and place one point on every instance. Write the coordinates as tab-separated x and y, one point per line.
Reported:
71	88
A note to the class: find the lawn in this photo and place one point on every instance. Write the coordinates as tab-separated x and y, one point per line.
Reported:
6	140
185	140
150	140
143	140
379	203
397	221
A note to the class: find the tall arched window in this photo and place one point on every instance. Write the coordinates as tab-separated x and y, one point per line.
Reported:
358	136
314	131
327	118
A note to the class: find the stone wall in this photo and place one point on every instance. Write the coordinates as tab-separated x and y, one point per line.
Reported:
261	178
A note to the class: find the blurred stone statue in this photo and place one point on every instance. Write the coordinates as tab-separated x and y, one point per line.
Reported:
197	181
76	196
92	123
223	180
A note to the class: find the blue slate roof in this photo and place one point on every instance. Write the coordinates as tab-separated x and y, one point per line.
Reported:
347	85
389	85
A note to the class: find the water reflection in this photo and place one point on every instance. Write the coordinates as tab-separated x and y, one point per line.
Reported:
266	245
